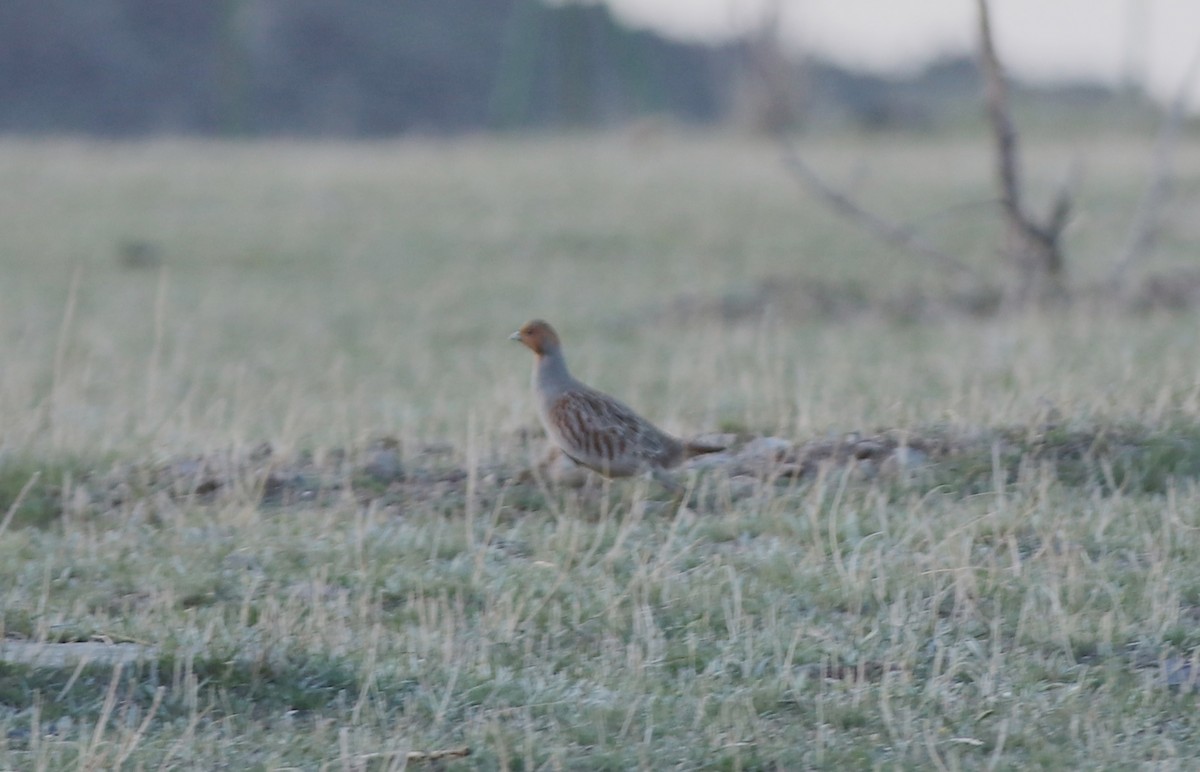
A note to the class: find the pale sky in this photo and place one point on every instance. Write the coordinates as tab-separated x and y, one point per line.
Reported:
1037	39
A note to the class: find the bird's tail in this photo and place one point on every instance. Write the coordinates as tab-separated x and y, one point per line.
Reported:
698	448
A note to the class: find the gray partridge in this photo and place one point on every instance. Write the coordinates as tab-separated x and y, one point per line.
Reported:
592	428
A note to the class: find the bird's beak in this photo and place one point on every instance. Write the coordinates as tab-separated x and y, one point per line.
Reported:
515	336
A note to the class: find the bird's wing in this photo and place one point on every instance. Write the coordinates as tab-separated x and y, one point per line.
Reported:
602	431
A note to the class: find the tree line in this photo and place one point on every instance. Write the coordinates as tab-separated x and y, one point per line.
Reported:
336	67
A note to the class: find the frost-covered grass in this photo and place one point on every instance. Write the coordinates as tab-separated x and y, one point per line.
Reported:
316	296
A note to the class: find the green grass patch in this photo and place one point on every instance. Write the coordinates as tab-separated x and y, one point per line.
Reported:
33	488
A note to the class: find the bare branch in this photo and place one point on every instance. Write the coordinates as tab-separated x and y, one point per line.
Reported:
896	234
1147	220
996	91
1033	247
1060	210
764	57
781	106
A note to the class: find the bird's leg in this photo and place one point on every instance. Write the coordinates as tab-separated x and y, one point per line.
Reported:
605	498
666	481
679	493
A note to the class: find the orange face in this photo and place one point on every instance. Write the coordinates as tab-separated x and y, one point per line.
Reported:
539	336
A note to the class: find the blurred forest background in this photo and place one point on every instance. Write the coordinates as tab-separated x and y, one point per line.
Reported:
370	68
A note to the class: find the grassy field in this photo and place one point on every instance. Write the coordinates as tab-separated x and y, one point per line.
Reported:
1031	603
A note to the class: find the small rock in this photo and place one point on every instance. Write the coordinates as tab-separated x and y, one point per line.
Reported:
207	486
1177	672
867	449
906	458
281	483
766	450
437	449
63	655
743	485
791	471
763	456
187	468
383	461
715	439
710	461
863	469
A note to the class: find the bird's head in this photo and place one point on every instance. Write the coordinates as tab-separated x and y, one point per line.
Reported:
538	335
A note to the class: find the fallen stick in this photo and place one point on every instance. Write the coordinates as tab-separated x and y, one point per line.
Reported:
418	756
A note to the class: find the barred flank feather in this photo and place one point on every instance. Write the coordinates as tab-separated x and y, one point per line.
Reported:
603	434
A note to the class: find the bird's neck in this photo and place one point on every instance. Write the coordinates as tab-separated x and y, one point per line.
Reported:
550	373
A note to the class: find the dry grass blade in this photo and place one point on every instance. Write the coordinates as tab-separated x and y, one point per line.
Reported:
20	499
90	756
130	744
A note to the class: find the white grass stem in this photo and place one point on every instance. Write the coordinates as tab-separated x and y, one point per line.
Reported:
60	351
156	349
